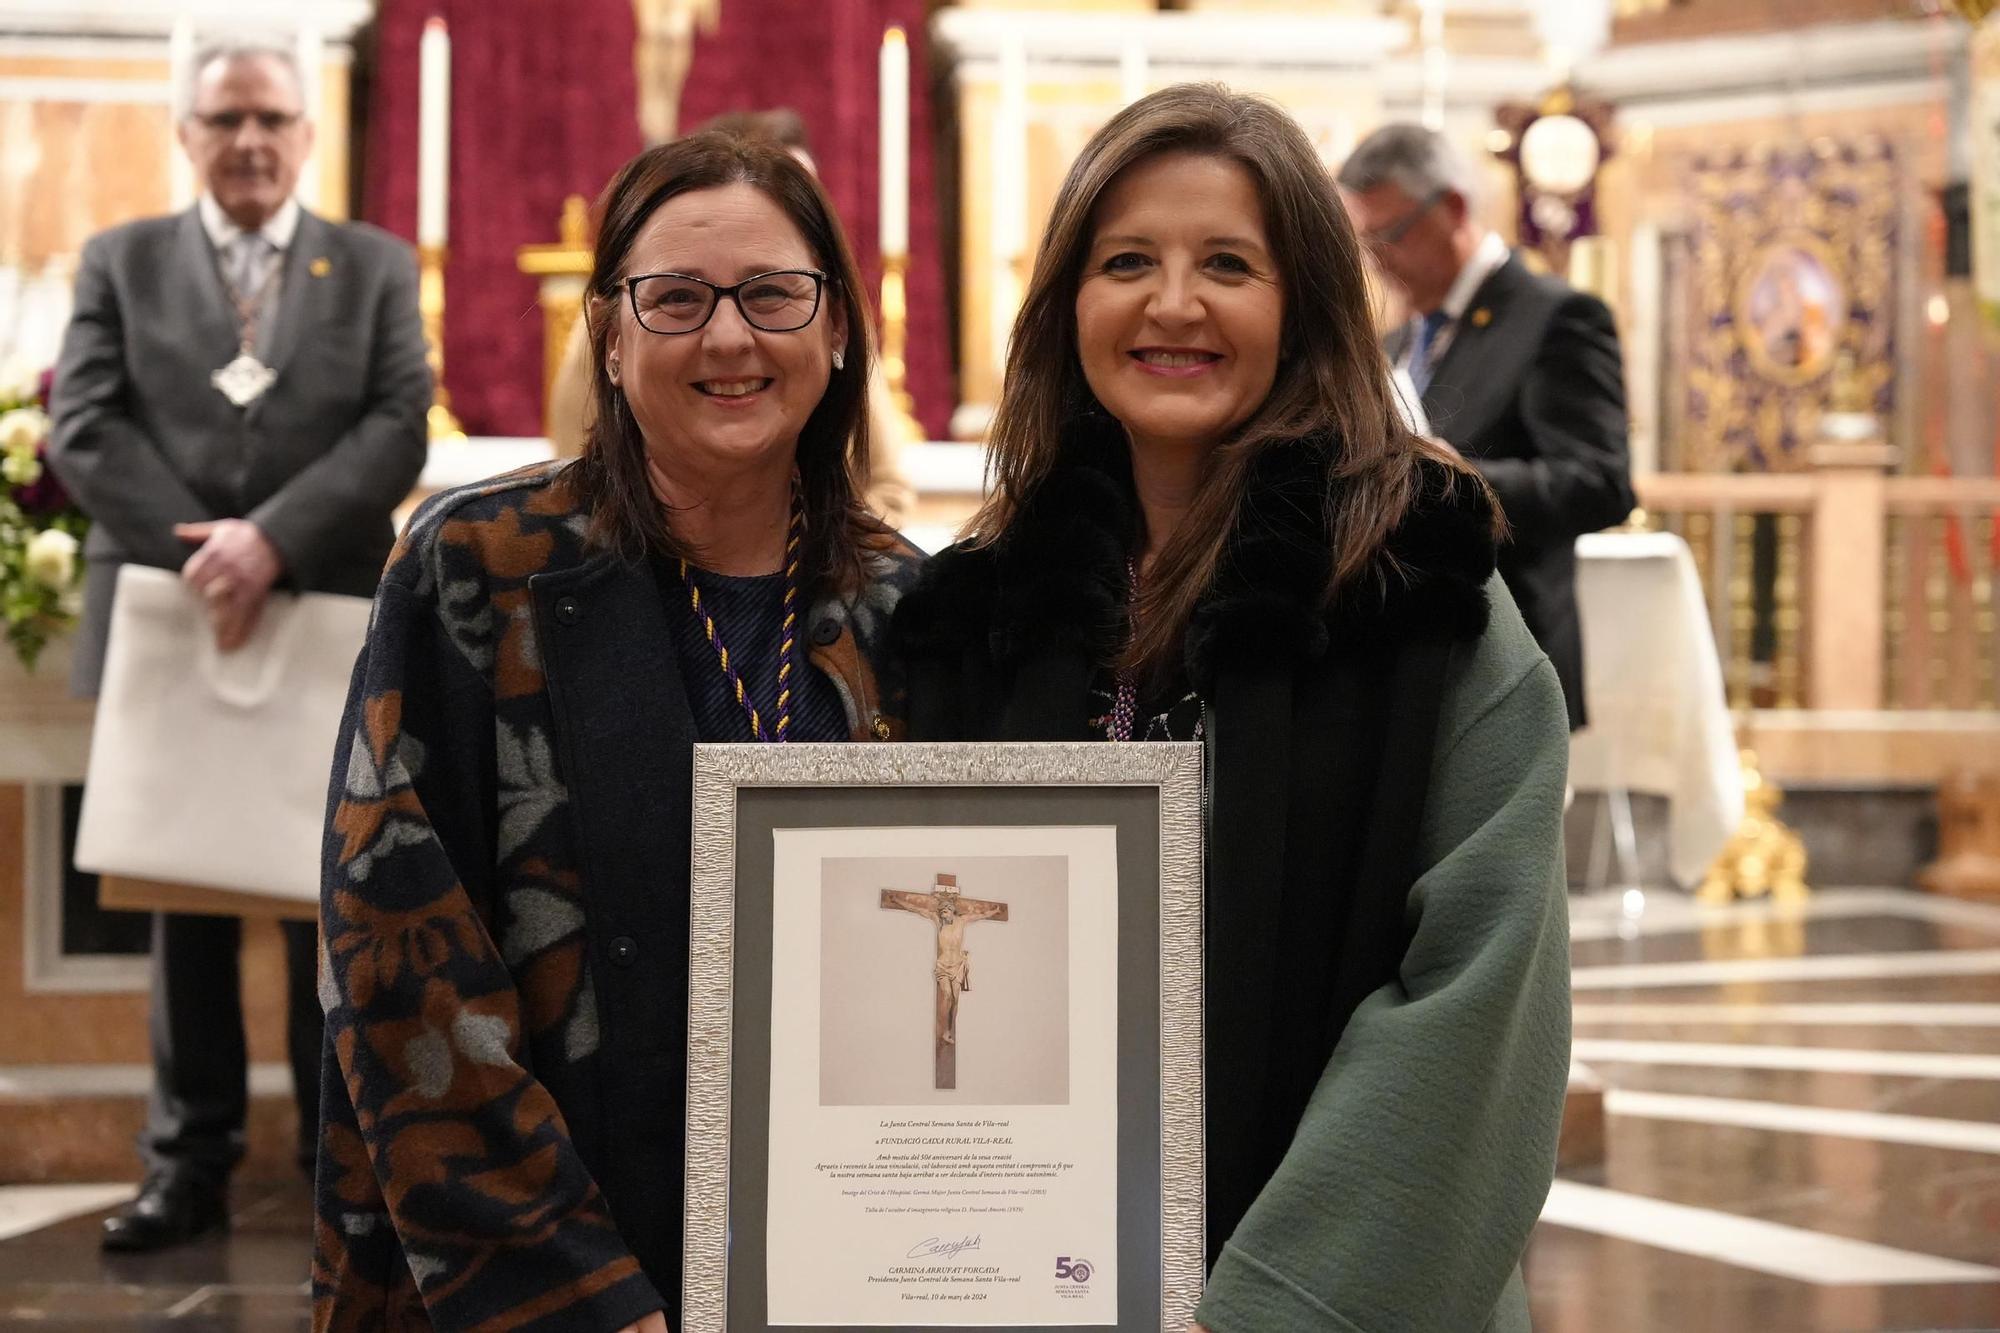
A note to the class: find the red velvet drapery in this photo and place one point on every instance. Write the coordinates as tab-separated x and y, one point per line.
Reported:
542	107
821	60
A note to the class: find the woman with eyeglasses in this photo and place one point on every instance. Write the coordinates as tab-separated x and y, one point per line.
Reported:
506	866
1210	524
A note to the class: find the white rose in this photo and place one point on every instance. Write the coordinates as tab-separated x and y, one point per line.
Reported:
51	559
20	469
22	429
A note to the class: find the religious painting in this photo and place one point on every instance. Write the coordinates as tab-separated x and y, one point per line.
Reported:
944	1036
1789	286
901	1019
1790	307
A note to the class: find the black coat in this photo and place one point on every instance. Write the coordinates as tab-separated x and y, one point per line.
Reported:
1531	391
1320	730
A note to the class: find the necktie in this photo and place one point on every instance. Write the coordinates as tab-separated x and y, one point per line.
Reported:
247	255
1421	359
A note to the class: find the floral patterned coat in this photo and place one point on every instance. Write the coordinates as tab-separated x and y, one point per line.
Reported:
504	920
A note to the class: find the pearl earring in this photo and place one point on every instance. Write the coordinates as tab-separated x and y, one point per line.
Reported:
839	359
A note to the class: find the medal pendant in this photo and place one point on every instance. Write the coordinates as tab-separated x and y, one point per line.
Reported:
243	380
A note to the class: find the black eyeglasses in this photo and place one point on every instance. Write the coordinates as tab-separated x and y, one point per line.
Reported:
776	302
229	122
1400	228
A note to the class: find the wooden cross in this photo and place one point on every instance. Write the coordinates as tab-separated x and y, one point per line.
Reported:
953	970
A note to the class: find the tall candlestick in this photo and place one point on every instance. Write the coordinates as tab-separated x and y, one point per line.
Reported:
895	99
433	133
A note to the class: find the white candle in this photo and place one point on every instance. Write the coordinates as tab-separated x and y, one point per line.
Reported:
181	72
895	166
433	133
311	52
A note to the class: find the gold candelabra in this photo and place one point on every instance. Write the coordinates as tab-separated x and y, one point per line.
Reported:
430	307
895	338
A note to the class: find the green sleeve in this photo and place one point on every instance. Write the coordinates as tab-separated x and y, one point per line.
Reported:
1426	1152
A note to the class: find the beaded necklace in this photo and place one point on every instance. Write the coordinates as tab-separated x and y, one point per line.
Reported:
788	645
1125	703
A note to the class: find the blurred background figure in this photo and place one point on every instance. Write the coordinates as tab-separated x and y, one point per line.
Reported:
1519	372
241	396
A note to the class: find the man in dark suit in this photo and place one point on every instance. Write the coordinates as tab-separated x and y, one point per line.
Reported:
241	397
1518	372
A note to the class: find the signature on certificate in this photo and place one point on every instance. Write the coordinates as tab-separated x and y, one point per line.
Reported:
935	1248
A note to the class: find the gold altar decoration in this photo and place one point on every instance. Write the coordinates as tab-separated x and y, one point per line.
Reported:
564	272
1763	856
1556	148
442	425
1792	271
896	338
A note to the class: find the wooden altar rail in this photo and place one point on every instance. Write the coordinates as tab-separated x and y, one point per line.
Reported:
1843	588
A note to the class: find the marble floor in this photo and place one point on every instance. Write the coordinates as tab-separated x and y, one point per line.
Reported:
1803	1129
1802	1119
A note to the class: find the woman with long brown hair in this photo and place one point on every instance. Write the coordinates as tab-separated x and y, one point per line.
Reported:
505	890
1209	523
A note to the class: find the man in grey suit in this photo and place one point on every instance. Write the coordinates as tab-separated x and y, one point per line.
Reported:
241	397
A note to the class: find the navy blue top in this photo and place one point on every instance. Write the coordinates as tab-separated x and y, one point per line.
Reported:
749	615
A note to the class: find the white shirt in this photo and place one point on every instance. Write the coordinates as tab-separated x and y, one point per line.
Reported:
278	230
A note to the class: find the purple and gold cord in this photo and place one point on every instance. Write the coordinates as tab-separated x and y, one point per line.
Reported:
1125	703
788	636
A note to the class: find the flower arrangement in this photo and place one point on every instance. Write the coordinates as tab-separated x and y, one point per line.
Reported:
41	529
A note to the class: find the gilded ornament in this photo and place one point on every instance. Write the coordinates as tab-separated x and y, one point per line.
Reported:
1763	856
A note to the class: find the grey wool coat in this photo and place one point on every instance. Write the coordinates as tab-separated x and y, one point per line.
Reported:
144	440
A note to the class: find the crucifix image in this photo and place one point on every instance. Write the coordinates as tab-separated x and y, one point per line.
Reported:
953	969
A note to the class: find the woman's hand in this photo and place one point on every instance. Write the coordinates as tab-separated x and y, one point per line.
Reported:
655	1322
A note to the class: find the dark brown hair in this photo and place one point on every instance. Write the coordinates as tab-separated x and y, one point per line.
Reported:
1332	384
780	124
610	478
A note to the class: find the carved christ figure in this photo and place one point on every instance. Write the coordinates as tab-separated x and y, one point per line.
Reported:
953	967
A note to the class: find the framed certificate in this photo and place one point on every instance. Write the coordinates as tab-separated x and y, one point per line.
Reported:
944	1038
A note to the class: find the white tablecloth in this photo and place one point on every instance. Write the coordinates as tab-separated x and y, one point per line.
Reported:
1659	719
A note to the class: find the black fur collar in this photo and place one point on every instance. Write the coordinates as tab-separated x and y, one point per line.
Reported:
1056	580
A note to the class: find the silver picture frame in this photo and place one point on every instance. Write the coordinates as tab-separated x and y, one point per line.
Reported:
742	792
